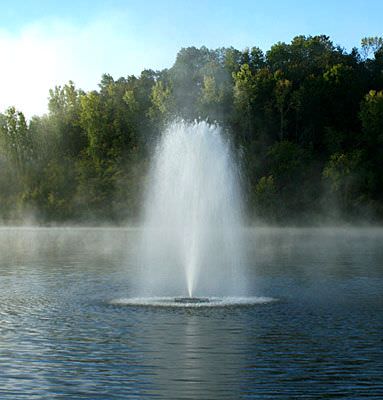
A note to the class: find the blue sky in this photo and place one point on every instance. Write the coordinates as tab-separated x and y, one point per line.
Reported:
46	43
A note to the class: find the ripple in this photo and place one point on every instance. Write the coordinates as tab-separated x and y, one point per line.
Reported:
171	302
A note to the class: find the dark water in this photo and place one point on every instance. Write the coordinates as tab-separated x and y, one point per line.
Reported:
61	337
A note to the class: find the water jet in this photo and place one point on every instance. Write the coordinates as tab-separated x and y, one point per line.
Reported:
192	233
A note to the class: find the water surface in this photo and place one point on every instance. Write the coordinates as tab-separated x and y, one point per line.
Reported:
64	335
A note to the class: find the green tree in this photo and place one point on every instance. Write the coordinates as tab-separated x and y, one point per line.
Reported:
266	199
15	139
162	105
348	180
371	45
282	91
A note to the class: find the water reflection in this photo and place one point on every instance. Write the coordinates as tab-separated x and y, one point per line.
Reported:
193	355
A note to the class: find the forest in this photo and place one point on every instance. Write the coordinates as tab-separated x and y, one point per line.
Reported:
305	119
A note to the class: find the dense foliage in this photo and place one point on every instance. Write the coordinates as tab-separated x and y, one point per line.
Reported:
305	117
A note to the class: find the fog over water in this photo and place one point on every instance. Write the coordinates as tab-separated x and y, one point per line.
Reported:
65	332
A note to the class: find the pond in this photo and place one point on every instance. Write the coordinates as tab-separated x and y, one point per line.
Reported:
66	333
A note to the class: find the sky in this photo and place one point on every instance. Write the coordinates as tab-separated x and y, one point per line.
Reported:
47	43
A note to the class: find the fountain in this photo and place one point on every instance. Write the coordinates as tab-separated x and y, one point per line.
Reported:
191	300
191	244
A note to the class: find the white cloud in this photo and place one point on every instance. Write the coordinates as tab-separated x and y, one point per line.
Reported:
49	53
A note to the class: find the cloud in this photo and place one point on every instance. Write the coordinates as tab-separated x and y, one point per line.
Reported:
52	52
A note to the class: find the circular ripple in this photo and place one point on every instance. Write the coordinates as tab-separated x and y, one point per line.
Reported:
172	302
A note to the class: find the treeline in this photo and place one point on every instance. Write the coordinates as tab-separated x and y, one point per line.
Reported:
306	118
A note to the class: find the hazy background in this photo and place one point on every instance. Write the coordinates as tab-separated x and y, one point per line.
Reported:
296	88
